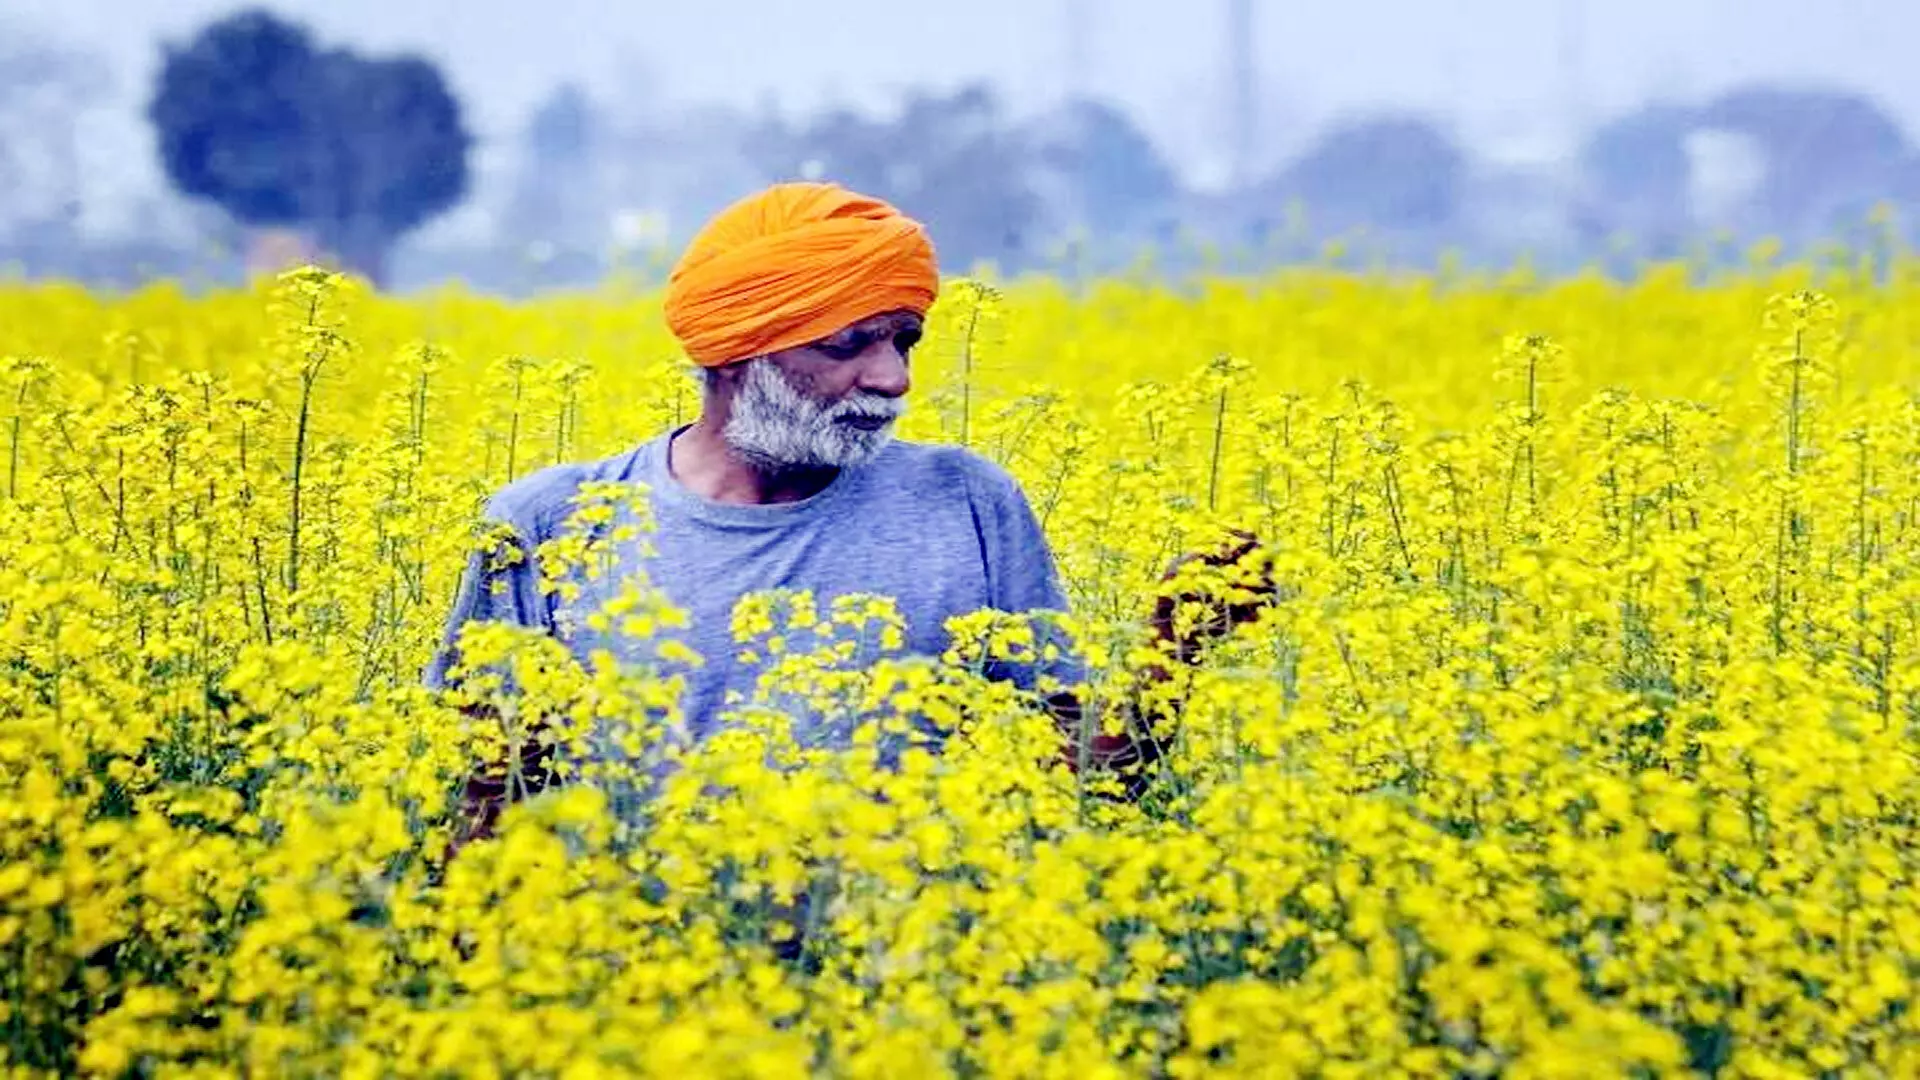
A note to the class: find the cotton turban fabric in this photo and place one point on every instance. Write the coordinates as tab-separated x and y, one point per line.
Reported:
793	264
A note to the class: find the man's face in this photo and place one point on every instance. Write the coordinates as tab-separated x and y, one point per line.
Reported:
828	404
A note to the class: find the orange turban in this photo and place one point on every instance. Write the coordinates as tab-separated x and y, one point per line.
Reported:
793	264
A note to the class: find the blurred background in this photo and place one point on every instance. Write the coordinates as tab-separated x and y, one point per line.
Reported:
522	147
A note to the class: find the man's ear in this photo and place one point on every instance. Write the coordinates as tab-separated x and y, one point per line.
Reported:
736	370
722	378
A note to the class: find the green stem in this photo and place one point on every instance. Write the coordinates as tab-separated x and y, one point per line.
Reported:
299	469
1392	487
13	454
1333	460
1788	533
309	378
1793	411
1458	541
1780	579
1286	444
513	424
1860	506
419	425
260	589
966	373
1667	490
1219	433
1533	420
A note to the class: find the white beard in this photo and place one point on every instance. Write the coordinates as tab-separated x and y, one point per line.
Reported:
776	427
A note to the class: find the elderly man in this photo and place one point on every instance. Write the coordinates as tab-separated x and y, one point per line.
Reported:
802	306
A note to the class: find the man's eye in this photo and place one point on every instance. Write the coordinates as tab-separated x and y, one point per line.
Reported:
905	340
844	350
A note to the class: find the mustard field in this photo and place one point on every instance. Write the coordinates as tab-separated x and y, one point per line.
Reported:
1580	739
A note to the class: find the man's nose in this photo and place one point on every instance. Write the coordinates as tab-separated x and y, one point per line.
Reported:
884	371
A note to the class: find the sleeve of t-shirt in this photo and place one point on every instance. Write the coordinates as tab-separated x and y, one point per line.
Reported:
1022	574
500	583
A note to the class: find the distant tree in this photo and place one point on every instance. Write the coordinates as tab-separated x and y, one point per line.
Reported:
403	162
1829	154
565	128
356	151
949	160
1106	167
556	195
1636	174
1391	172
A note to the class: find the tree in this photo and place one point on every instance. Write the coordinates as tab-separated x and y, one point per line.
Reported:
1108	171
1829	154
1636	174
403	162
947	160
1390	172
254	118
565	129
558	196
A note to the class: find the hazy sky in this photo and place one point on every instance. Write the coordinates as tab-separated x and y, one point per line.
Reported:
1505	70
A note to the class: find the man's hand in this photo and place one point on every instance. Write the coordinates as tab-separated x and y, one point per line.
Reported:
494	784
1239	555
1135	747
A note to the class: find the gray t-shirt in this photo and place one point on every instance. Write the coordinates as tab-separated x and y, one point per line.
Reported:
939	529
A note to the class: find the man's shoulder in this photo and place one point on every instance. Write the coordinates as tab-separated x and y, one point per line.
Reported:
537	503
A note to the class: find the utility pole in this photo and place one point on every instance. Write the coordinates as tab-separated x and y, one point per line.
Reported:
1242	109
1573	67
1079	33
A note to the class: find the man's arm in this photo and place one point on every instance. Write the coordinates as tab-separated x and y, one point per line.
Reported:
1024	577
500	583
1157	705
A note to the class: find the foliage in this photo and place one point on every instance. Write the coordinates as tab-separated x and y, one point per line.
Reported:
949	160
1829	155
253	116
1637	173
1387	172
1115	179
